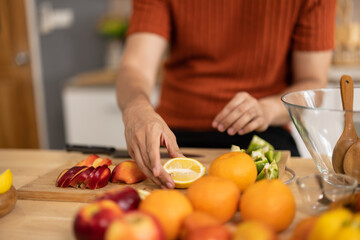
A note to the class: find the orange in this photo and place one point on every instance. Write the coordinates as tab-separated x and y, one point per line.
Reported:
218	232
170	207
303	228
251	230
270	202
236	166
216	196
196	220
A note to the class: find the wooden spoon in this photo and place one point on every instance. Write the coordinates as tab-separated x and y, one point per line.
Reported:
349	136
352	162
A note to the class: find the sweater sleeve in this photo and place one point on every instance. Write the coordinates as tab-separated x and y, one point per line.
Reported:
151	16
314	30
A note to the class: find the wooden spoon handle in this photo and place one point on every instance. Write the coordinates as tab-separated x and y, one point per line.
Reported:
347	92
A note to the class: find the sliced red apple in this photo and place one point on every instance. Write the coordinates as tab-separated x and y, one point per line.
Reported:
79	179
88	161
68	175
91	180
100	162
104	176
59	177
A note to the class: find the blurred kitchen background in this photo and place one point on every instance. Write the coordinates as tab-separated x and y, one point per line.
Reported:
58	64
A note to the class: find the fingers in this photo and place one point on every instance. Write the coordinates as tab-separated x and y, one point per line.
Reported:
139	161
221	121
145	150
153	152
168	140
243	114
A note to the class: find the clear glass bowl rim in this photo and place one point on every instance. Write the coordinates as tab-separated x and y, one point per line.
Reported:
315	108
326	176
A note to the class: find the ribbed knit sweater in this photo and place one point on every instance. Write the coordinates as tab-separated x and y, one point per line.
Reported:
221	47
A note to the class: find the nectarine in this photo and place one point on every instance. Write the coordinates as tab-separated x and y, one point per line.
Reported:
127	172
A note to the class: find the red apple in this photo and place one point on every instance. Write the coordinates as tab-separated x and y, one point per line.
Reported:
127	198
135	225
79	179
65	178
127	172
60	176
93	219
93	178
104	175
98	178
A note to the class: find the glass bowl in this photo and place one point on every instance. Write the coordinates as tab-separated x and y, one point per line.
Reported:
318	191
318	116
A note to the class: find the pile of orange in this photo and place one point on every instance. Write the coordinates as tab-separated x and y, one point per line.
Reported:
266	207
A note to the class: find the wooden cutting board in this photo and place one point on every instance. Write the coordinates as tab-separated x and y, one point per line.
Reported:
44	187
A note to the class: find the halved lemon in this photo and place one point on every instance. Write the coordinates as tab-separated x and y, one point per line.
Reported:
184	171
143	193
6	179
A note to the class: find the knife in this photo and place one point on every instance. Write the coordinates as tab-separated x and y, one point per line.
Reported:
111	151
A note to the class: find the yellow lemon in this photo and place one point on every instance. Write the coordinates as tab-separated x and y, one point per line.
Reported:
143	193
330	223
184	171
347	233
6	179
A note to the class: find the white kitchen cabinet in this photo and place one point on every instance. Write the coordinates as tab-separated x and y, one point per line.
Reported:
92	116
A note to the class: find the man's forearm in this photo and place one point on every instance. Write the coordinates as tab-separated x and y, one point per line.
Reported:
133	89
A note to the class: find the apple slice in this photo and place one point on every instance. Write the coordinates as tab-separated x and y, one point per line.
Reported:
88	162
100	162
68	175
91	180
127	172
59	177
99	177
79	179
104	174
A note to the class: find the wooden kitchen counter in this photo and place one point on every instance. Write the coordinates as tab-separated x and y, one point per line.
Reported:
53	219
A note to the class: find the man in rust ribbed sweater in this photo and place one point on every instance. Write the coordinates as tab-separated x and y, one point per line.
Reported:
229	63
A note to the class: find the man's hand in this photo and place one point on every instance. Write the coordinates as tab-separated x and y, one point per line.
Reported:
145	132
243	114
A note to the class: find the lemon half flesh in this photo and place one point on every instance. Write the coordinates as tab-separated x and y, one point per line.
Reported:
6	179
184	171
